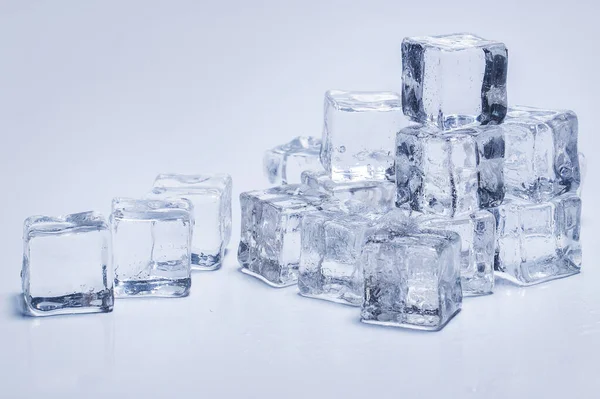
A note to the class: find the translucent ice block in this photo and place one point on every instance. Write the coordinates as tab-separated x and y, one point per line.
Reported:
331	245
284	164
358	134
152	247
66	265
270	237
211	196
454	80
537	242
478	239
412	276
449	173
541	159
379	195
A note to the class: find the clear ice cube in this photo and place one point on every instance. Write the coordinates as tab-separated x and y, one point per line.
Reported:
358	134
449	172
210	195
270	235
66	265
537	242
331	245
541	159
454	80
412	276
152	247
478	240
284	164
379	195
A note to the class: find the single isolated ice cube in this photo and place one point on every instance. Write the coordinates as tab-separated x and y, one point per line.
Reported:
478	240
270	236
331	245
412	276
454	80
541	159
358	134
449	173
210	194
284	164
66	265
380	195
152	247
537	242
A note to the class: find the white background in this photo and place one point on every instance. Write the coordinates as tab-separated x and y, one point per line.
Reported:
97	97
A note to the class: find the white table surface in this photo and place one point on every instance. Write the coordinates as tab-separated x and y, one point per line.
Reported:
98	97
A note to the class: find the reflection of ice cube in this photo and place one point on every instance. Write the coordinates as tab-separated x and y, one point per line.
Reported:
449	173
151	247
270	236
537	242
66	265
454	80
377	195
284	164
478	239
412	276
358	134
210	195
331	245
541	159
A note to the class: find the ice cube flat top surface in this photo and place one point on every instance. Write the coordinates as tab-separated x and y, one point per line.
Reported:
453	42
78	222
200	182
66	265
364	101
538	114
300	145
151	209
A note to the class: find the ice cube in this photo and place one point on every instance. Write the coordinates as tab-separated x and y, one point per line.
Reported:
454	80
379	195
449	173
478	239
537	242
210	195
284	164
412	276
66	265
358	134
541	159
152	247
270	236
331	244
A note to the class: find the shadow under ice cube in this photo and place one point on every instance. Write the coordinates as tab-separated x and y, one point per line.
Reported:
454	80
541	159
284	164
412	276
329	267
537	242
449	173
270	235
152	247
478	239
358	134
66	265
210	195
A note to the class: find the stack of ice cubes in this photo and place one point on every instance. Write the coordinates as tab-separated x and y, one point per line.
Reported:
425	196
79	263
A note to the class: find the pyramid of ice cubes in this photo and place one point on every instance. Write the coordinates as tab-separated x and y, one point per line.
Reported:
427	196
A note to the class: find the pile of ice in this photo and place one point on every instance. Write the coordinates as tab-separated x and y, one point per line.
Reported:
421	198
